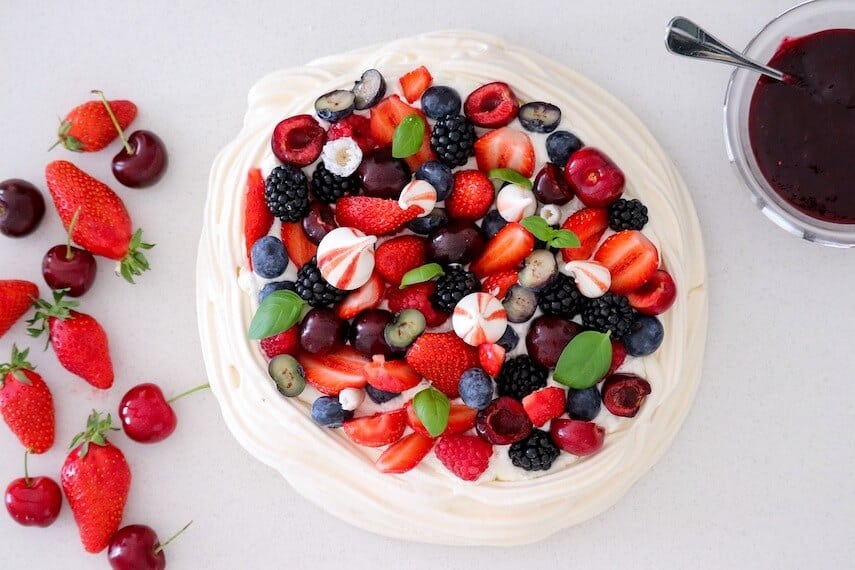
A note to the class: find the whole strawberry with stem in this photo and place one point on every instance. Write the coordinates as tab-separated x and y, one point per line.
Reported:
88	127
78	340
146	415
96	479
16	298
26	403
104	225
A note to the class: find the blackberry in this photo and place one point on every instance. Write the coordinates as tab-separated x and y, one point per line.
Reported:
627	215
453	286
314	289
328	187
535	453
521	376
286	192
611	312
561	297
453	139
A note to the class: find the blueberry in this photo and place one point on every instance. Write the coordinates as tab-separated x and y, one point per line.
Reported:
335	105
427	224
492	223
539	117
476	388
275	286
269	259
368	91
437	175
509	339
644	336
584	404
560	145
439	101
379	396
327	411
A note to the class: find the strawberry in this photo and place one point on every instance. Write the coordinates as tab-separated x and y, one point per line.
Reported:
589	225
331	373
385	117
374	216
26	403
471	196
103	225
417	296
390	376
505	148
286	342
404	454
467	456
356	127
257	218
631	258
442	358
505	252
545	404
368	296
78	341
414	83
96	479
300	249
498	284
491	357
16	298
88	127
397	256
461	418
377	430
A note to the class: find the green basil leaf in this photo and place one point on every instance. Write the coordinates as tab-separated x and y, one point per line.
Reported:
585	360
432	408
538	227
564	238
510	175
279	311
421	274
409	136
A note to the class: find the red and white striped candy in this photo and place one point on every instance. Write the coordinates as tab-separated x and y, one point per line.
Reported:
515	203
346	258
418	193
479	318
592	279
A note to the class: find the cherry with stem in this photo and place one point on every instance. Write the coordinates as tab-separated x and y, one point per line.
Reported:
67	267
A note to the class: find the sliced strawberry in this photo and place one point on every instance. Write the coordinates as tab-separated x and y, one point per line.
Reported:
461	418
498	284
298	140
377	430
471	196
374	216
414	83
404	454
545	404
300	249
505	148
390	376
656	296
385	117
589	225
331	373
417	296
356	127
632	260
492	105
505	252
257	219
394	257
286	342
369	296
442	358
491	357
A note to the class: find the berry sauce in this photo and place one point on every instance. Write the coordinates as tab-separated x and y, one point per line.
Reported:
803	135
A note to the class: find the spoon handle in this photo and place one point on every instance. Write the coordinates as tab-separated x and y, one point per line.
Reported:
688	39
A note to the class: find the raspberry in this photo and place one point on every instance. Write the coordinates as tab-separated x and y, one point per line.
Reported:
356	127
417	296
287	342
467	456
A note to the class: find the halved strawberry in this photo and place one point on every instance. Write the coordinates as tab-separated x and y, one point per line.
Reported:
505	252
404	454
331	373
498	284
257	219
369	296
385	117
356	127
492	105
374	216
286	342
417	297
300	249
505	148
298	140
391	375
377	430
471	197
461	418
545	404
414	83
491	357
394	257
589	225
442	358
632	259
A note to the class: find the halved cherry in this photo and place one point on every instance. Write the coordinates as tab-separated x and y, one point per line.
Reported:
656	296
623	394
492	105
298	140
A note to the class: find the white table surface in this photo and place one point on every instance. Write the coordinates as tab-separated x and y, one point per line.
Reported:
760	475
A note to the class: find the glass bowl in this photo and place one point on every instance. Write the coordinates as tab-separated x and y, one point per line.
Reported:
806	18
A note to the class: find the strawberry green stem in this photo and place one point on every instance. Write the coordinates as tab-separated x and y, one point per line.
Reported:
26	468
95	433
135	262
113	118
188	392
171	538
68	255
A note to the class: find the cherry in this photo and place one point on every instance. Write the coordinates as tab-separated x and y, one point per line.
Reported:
367	333
547	336
623	394
143	159
136	547
318	222
577	437
503	422
596	179
322	331
33	501
381	175
550	186
656	296
68	267
460	241
22	207
146	415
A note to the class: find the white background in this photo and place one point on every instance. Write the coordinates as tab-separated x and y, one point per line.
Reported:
759	477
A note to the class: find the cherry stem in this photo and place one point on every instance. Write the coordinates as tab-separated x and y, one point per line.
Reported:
163	545
188	392
113	118
26	468
68	254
